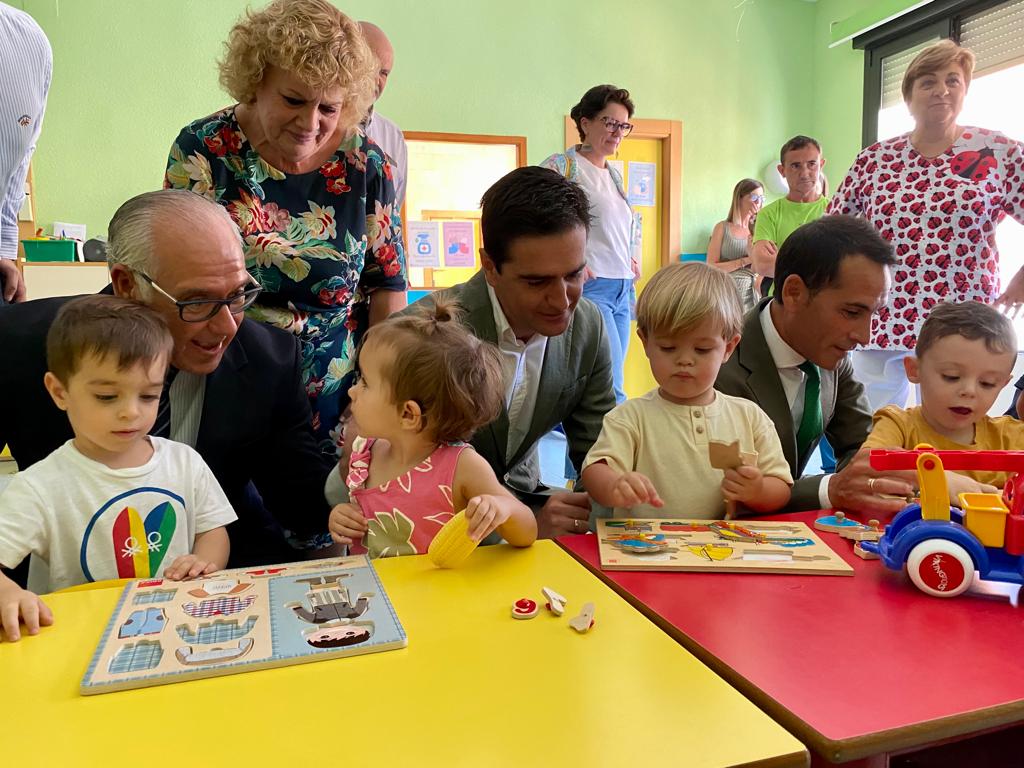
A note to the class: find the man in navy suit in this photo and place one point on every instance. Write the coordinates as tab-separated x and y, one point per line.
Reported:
234	392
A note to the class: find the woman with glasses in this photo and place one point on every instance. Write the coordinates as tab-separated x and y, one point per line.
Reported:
312	197
729	247
613	256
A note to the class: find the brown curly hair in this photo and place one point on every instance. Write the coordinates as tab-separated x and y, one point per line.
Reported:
454	377
309	38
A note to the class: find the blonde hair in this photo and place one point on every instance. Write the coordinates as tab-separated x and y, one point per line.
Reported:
454	377
681	296
936	57
309	38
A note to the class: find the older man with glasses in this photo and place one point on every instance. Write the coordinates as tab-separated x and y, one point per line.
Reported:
233	392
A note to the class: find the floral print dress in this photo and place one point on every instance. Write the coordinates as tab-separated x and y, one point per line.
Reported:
940	214
319	242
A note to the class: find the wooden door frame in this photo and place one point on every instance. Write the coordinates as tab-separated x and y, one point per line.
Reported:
670	134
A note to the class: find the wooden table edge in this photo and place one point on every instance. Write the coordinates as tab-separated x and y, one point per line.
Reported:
834	750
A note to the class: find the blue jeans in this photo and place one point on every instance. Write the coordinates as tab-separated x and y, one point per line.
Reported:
613	296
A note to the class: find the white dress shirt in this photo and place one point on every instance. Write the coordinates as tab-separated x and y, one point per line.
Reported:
389	137
794	383
521	364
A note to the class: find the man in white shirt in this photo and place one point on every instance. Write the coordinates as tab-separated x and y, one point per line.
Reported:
557	366
26	64
384	133
833	277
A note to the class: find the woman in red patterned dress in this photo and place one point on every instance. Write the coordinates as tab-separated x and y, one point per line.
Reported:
937	194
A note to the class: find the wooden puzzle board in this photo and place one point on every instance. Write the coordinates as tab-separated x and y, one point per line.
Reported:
242	620
716	546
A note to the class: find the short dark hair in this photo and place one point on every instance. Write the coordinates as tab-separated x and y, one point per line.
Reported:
814	251
103	325
530	202
596	99
797	142
970	319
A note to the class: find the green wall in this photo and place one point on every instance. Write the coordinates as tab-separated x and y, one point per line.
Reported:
129	74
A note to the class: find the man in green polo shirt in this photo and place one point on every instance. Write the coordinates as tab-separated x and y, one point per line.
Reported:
800	162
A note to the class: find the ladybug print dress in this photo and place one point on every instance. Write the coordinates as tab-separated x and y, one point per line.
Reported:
940	214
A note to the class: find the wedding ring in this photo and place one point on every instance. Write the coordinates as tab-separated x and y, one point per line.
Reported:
575	523
871	484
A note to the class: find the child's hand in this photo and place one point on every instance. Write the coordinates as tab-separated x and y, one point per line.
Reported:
484	513
742	484
958	484
632	489
17	604
346	524
188	567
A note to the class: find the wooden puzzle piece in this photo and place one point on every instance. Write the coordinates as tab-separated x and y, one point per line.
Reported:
147	621
641	543
262	573
585	620
338	634
712	552
190	657
157	596
781	556
862	553
632	526
219	631
870	532
136	657
218	606
452	545
330	602
556	603
213	587
835	523
524	608
324	580
728	456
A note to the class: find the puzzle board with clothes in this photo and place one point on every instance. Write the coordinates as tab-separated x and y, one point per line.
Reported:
716	545
242	620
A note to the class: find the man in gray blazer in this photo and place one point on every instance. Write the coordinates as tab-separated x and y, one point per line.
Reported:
832	276
526	300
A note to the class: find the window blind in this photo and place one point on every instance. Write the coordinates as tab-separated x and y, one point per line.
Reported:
996	36
895	66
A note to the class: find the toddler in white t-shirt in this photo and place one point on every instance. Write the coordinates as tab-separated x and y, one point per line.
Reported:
651	458
113	502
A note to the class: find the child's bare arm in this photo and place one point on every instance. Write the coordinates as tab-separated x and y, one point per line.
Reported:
17	605
619	489
754	490
489	505
209	553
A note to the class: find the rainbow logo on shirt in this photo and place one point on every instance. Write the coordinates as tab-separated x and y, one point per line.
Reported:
122	542
140	546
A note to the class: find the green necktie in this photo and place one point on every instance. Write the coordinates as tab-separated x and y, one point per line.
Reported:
811	425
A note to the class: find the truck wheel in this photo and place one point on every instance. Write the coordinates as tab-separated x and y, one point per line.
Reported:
940	568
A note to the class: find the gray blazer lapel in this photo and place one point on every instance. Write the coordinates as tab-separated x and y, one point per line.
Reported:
476	303
765	385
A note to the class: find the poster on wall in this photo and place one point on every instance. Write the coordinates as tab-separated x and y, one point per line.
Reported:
458	244
424	238
641	183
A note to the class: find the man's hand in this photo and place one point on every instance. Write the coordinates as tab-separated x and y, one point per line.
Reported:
859	488
14	285
563	513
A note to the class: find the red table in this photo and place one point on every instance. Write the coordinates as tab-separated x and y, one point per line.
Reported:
854	667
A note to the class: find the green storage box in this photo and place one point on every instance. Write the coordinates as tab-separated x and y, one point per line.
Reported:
50	250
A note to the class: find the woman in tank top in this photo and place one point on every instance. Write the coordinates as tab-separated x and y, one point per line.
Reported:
729	247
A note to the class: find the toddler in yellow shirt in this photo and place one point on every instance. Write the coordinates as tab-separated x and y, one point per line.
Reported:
963	359
651	458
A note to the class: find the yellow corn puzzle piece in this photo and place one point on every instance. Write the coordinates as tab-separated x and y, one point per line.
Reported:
452	545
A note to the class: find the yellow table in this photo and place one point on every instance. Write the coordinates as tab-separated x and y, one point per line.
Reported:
475	687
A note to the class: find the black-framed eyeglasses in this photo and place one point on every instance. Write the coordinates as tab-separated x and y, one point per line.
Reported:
201	310
612	125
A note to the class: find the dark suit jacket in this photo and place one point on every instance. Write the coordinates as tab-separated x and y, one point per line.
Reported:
575	388
751	373
255	431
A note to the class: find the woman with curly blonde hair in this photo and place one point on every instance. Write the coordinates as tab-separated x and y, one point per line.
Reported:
312	197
